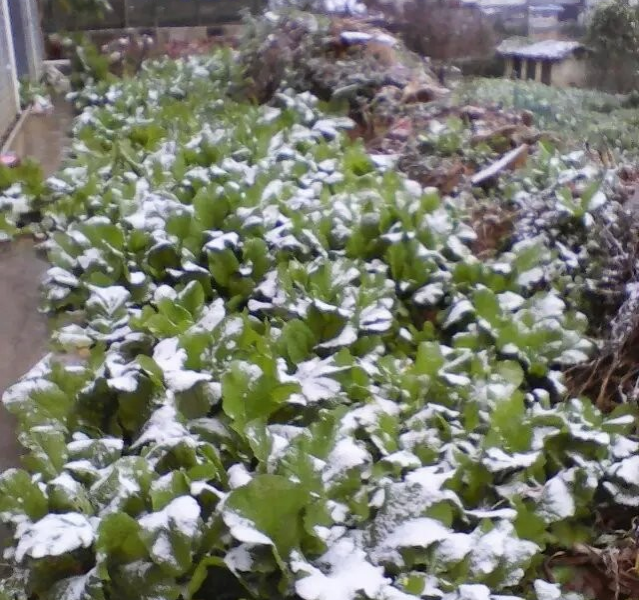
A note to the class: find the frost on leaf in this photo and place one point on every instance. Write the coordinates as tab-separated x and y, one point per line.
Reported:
345	573
314	378
556	501
55	535
497	460
244	531
81	587
162	427
171	533
500	547
420	533
171	358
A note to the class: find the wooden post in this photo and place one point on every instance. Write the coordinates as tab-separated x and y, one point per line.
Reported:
509	67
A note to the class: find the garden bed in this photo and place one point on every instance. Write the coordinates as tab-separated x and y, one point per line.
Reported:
306	375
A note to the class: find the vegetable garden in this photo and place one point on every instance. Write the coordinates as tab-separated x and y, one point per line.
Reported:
282	369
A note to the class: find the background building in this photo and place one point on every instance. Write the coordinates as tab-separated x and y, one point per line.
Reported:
21	55
553	62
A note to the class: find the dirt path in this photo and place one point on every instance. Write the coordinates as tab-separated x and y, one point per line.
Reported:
23	331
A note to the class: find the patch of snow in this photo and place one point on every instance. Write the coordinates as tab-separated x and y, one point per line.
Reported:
346	455
239	559
496	460
556	501
417	533
55	535
183	514
238	476
162	427
244	530
346	574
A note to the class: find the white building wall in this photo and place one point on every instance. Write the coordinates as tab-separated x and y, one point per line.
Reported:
27	38
9	93
35	41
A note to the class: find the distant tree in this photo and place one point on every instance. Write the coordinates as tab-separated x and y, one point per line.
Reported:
613	38
87	7
441	29
78	8
50	11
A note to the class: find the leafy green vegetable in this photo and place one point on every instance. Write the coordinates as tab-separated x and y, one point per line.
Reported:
301	382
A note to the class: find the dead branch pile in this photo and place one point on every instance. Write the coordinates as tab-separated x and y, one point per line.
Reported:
602	257
392	95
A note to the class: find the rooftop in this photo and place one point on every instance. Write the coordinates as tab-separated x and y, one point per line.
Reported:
546	8
545	50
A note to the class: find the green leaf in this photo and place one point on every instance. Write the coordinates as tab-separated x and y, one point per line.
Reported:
119	542
211	208
136	473
487	306
47	450
68	495
88	587
171	534
511	372
274	505
143	581
166	490
191	298
19	497
429	360
201	572
152	369
296	341
248	393
223	266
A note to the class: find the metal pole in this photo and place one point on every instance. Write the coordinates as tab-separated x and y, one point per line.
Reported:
126	14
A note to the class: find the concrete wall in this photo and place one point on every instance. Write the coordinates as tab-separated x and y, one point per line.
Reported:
570	72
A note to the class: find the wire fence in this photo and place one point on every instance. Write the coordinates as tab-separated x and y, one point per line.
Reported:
152	13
